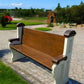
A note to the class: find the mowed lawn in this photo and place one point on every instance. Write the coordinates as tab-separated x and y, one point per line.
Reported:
12	25
8	76
43	29
41	19
27	22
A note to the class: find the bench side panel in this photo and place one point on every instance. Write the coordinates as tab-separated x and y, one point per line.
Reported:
48	43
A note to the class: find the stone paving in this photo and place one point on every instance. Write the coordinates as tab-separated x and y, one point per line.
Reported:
37	74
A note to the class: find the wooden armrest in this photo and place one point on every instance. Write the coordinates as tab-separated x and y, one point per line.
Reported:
58	59
69	33
14	39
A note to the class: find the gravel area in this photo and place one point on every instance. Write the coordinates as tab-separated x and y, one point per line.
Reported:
35	73
17	18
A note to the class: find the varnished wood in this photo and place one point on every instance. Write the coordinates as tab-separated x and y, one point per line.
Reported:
58	59
48	43
34	54
41	46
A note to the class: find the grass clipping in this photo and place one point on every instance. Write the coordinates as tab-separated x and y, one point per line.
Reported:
43	29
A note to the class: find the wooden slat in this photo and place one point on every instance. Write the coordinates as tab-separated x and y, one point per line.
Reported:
36	55
50	44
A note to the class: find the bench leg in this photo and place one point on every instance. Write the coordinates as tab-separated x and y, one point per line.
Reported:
59	73
16	55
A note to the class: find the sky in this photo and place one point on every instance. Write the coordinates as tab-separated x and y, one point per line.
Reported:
46	4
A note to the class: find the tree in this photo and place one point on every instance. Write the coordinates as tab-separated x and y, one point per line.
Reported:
74	14
3	21
67	7
81	3
58	7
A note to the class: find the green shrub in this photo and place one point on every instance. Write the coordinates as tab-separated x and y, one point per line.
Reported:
70	24
43	29
1	14
3	21
64	26
50	25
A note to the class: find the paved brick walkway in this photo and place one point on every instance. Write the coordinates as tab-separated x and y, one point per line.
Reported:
33	72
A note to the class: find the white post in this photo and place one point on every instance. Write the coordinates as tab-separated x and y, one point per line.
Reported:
16	55
61	71
20	31
57	71
17	40
67	52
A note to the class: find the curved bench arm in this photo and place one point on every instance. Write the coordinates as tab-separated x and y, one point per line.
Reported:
14	39
58	59
69	33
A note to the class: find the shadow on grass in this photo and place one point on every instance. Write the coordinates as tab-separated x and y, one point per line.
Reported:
4	52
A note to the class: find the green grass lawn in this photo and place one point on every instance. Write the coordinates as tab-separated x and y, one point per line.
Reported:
13	24
27	22
8	27
8	76
36	18
43	29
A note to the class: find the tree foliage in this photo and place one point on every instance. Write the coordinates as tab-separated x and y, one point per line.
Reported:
32	12
3	21
74	14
